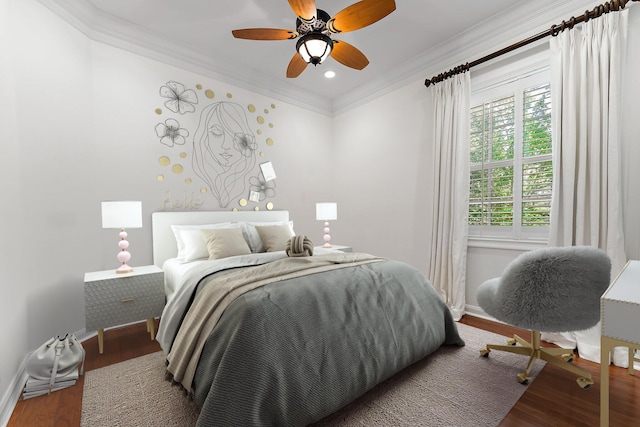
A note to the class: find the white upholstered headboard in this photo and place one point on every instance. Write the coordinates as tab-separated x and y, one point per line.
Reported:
164	242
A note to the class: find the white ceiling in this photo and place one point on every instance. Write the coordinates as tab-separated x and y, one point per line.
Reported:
198	32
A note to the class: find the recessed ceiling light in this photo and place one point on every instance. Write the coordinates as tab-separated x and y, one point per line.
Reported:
330	74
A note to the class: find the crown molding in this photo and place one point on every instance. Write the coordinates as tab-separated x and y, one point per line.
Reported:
117	33
514	24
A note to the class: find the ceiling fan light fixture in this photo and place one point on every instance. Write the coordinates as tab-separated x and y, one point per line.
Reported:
314	47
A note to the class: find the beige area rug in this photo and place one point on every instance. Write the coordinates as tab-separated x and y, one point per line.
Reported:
452	387
134	393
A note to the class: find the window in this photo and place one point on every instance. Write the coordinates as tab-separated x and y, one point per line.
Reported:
511	169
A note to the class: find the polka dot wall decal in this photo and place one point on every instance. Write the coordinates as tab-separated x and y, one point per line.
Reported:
270	206
177	169
266	111
158	111
183	155
271	125
229	95
257	208
234	210
199	86
251	108
273	106
242	202
259	131
187	181
269	142
203	190
262	154
260	119
160	177
164	161
209	94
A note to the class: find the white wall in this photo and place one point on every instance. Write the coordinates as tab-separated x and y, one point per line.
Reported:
382	151
45	75
12	304
78	118
78	121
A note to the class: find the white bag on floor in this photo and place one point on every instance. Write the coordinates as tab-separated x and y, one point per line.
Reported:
57	357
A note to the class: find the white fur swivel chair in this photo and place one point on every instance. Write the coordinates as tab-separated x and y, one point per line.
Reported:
548	290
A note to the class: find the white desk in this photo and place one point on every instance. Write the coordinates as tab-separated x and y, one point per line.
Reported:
620	311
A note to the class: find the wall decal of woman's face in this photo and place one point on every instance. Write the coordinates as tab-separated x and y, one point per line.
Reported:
224	150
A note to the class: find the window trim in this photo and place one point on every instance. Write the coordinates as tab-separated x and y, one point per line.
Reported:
498	85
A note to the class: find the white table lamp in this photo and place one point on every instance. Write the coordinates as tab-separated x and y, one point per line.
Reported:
122	215
326	212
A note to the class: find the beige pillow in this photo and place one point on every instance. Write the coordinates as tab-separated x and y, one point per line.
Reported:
274	237
225	242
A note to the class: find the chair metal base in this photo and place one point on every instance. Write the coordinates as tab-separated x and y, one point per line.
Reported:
535	352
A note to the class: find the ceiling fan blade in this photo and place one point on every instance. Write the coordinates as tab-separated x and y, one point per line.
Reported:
264	34
304	9
360	15
348	55
296	66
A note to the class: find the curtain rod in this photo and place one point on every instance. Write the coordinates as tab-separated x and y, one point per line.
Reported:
611	6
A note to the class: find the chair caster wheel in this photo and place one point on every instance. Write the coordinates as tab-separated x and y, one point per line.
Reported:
512	341
523	378
567	358
584	383
485	352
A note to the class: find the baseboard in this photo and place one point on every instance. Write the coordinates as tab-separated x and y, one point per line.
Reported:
474	310
12	394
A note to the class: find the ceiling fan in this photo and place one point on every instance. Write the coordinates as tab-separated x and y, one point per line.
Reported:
314	28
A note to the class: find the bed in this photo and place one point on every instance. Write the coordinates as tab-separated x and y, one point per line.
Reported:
268	336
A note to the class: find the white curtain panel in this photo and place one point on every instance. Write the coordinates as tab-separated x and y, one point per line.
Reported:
586	207
450	174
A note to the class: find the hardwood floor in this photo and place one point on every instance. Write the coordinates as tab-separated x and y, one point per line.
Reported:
553	399
63	408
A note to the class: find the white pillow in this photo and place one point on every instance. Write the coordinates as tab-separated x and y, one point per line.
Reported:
253	238
191	245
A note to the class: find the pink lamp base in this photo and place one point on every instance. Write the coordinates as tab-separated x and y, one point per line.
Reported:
327	236
123	256
124	268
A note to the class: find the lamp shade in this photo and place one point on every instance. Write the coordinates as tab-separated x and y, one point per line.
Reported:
314	48
326	211
121	214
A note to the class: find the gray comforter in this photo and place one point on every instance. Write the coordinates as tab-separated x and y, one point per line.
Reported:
292	352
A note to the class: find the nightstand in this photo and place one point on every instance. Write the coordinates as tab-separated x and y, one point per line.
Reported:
340	248
113	299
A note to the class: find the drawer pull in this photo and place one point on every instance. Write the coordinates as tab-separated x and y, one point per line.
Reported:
127	300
